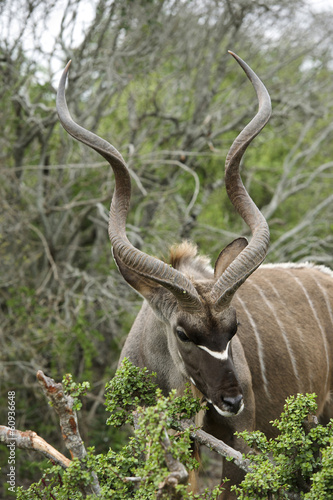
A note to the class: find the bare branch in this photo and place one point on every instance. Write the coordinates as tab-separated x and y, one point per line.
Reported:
29	440
216	445
308	220
47	251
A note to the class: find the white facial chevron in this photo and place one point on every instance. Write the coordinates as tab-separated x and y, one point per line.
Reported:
223	355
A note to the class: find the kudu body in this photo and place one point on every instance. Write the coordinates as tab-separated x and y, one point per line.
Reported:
186	329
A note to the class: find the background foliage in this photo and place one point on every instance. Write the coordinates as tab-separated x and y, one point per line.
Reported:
154	78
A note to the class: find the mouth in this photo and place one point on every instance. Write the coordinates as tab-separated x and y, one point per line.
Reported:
225	411
229	407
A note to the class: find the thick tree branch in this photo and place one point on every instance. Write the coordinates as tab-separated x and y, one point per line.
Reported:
216	445
63	405
29	440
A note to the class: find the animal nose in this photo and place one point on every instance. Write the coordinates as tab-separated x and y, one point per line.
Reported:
233	404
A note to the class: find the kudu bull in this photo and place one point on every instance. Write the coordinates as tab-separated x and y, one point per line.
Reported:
245	337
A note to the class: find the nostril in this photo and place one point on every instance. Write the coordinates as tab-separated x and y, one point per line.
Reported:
233	404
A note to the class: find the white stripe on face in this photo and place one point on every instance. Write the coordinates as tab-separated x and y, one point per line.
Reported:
222	356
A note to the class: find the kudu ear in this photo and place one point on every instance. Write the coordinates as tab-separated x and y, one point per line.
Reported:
228	254
141	284
152	292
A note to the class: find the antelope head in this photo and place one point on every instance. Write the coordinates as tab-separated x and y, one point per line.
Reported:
193	305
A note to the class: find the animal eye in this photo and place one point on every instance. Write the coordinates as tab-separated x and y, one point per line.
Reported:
182	335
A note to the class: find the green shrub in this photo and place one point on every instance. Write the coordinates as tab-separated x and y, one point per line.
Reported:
297	461
140	469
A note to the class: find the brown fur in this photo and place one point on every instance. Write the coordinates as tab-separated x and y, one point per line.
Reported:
179	254
185	258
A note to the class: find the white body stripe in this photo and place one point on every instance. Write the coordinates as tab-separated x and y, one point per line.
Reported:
315	314
327	301
259	344
282	329
222	355
305	362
